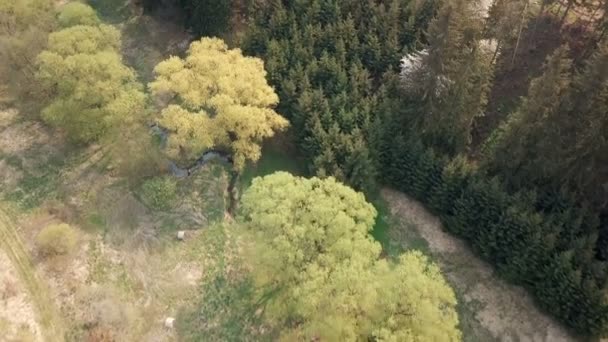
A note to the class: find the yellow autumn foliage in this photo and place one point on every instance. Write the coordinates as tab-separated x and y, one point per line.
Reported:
219	99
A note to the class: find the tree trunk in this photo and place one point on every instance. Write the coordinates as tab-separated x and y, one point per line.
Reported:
563	19
521	27
496	51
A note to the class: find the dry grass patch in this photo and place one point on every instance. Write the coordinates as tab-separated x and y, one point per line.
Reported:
17	314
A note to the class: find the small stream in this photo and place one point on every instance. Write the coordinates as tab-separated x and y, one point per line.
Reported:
205	157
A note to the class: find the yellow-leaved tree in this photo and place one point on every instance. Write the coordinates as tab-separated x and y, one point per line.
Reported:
216	98
311	254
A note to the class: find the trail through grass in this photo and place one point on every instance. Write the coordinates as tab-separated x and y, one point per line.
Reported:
489	308
48	315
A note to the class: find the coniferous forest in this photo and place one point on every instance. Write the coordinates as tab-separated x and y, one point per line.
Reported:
154	119
399	93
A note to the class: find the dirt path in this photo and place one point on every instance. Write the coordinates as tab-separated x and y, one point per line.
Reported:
47	314
490	308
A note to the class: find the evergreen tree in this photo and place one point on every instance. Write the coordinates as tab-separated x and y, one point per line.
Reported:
558	135
504	23
519	149
207	17
586	162
449	83
325	59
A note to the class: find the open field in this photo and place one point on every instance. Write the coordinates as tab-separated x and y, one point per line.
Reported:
127	272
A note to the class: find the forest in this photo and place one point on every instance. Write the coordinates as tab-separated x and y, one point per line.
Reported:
310	156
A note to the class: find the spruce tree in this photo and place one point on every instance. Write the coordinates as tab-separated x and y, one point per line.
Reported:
586	161
450	86
207	17
519	148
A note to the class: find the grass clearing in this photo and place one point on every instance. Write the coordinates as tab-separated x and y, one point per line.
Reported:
226	310
274	158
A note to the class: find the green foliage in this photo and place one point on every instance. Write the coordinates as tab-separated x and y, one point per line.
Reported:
449	87
207	17
556	139
91	90
76	13
518	149
37	186
325	58
113	11
311	249
159	193
134	153
550	250
24	28
56	239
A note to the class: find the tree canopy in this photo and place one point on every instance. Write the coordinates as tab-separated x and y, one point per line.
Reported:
218	98
327	60
89	87
76	13
24	28
207	17
312	250
449	87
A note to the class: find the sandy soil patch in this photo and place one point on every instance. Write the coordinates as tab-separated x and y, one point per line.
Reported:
19	137
493	308
7	117
17	315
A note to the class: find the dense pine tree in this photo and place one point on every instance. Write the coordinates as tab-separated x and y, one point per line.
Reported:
519	148
447	82
326	59
335	67
208	18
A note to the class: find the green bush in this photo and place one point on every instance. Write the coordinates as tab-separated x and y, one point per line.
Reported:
56	239
545	244
159	193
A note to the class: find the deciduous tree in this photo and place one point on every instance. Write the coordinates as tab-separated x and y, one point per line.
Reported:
91	90
218	99
24	28
313	254
76	13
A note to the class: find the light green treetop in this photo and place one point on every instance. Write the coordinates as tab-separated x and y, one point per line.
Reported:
76	13
81	39
91	89
312	252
